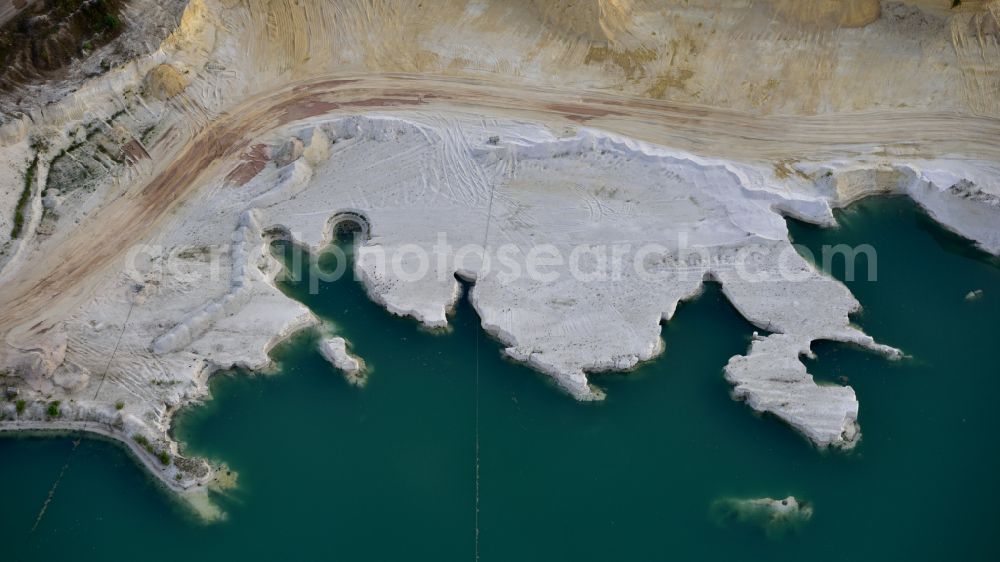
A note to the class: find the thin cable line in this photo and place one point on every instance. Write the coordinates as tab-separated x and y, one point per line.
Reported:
115	350
52	490
76	443
479	337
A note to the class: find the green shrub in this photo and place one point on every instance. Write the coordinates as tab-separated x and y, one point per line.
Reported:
20	405
22	202
39	144
53	410
164	457
119	405
111	22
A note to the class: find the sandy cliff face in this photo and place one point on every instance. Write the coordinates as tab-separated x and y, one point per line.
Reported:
762	57
759	56
594	19
826	14
975	36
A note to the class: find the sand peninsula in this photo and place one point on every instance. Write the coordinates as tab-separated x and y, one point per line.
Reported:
472	138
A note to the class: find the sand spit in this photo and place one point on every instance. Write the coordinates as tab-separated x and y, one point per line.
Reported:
145	198
189	480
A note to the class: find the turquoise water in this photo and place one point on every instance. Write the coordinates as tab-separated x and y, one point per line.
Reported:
334	472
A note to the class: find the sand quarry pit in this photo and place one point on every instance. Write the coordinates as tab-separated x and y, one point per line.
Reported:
147	194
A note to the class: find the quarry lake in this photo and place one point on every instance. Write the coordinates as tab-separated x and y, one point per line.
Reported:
386	472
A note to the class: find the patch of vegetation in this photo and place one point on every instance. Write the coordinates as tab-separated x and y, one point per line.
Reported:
22	202
71	171
667	81
195	253
111	22
62	153
162	456
956	3
39	144
20	405
147	134
631	61
119	405
114	157
51	34
114	117
53	410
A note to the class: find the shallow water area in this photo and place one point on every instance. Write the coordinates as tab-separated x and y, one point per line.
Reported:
329	470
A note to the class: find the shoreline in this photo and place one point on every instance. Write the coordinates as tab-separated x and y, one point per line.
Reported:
194	497
256	139
192	493
257	231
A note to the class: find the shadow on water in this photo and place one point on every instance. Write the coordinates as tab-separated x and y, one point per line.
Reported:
328	470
